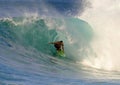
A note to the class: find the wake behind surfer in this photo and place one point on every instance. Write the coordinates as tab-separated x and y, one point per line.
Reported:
58	45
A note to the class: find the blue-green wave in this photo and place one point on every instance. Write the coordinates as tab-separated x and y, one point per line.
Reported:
37	33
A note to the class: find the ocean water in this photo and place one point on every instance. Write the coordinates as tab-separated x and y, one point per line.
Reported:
26	58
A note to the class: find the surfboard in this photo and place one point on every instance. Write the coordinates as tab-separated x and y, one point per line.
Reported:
61	53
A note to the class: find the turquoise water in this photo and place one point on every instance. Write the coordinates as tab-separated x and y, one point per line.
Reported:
36	34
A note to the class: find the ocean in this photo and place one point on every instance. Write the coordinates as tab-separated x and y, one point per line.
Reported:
89	30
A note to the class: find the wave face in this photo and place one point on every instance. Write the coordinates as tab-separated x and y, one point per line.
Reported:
24	44
37	33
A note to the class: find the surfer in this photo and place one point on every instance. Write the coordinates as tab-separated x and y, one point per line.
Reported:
58	45
59	48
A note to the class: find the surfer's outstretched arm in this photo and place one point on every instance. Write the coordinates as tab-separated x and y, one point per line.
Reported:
51	43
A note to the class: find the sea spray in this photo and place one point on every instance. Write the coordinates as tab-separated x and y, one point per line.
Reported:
103	17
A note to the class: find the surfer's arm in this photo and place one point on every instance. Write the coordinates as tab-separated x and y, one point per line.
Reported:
51	43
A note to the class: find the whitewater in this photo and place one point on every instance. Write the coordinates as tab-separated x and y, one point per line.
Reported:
89	29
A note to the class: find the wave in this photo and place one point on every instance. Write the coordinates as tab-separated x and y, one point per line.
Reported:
37	33
24	48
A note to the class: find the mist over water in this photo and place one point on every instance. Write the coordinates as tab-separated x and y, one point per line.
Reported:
103	16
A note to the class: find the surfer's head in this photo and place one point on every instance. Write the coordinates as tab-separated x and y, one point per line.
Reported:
61	41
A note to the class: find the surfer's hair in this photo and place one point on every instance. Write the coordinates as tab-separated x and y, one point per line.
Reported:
61	41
